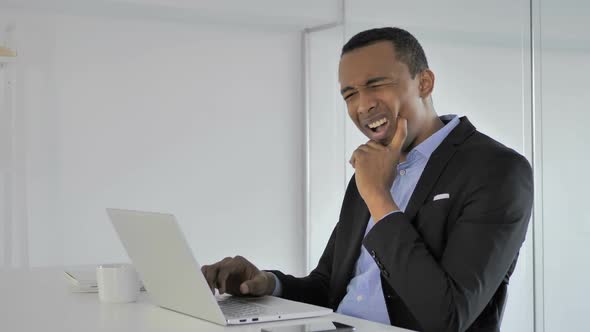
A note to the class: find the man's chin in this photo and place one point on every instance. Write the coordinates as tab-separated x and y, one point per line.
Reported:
385	141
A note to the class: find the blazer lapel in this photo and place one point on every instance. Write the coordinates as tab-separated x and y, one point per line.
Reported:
436	164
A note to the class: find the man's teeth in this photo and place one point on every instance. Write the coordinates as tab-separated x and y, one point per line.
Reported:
377	123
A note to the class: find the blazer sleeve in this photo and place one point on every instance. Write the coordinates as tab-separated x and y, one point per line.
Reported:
448	294
314	288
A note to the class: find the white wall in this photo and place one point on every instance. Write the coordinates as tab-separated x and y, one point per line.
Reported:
12	183
205	121
564	72
566	218
327	167
121	111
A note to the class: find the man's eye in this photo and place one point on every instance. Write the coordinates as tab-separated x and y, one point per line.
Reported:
349	95
381	84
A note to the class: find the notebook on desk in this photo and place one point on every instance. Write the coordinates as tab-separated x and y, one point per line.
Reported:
82	279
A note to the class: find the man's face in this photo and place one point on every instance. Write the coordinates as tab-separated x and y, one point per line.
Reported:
377	88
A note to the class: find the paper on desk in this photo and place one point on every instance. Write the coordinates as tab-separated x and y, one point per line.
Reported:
82	279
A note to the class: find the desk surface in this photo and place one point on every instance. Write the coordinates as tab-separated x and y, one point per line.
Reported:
39	300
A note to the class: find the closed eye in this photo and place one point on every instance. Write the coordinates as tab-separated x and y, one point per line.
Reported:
349	95
380	84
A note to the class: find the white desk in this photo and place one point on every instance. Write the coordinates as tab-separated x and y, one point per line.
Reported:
39	300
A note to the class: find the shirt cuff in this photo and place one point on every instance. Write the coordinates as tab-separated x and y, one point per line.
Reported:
278	291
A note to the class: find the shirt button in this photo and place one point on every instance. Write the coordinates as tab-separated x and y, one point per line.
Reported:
379	265
359	298
402	172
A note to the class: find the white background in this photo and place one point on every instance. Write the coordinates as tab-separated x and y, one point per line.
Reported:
204	120
198	108
565	50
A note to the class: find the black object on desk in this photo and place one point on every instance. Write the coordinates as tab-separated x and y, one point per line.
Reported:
312	327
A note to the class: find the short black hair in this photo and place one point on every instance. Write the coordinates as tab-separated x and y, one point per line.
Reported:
406	46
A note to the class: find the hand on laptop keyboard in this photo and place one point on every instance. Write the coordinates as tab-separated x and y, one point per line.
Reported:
237	276
233	307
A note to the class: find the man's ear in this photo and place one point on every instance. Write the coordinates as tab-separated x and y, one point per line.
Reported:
426	84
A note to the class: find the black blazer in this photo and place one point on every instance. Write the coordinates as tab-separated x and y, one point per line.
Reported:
445	264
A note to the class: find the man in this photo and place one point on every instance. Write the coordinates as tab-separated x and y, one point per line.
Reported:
433	219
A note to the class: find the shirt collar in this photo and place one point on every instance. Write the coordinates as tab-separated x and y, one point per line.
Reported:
427	147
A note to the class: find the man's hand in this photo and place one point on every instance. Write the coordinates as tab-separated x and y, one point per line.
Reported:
237	276
375	169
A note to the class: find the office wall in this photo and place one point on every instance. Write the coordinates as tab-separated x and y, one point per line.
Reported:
327	168
563	56
201	120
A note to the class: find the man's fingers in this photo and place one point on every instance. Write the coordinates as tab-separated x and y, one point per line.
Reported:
255	286
358	153
222	276
352	160
374	145
210	273
228	267
364	148
401	132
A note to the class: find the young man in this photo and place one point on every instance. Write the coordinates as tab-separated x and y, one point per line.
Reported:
432	221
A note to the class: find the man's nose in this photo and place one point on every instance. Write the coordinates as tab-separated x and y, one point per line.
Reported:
366	102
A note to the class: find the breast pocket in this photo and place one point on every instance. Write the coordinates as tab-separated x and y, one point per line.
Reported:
431	223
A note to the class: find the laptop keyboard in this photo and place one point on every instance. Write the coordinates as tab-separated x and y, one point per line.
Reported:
235	308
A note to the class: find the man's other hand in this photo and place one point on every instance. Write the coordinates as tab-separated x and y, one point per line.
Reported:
237	276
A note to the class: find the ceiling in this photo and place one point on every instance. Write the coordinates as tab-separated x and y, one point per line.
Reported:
282	14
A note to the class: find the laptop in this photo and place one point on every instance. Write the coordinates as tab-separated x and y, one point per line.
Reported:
174	280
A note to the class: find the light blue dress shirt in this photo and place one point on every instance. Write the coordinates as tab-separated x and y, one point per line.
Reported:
364	294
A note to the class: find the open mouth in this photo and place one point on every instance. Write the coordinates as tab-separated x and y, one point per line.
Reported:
377	129
377	125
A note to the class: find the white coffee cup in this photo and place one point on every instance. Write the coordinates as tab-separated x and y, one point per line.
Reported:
117	283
